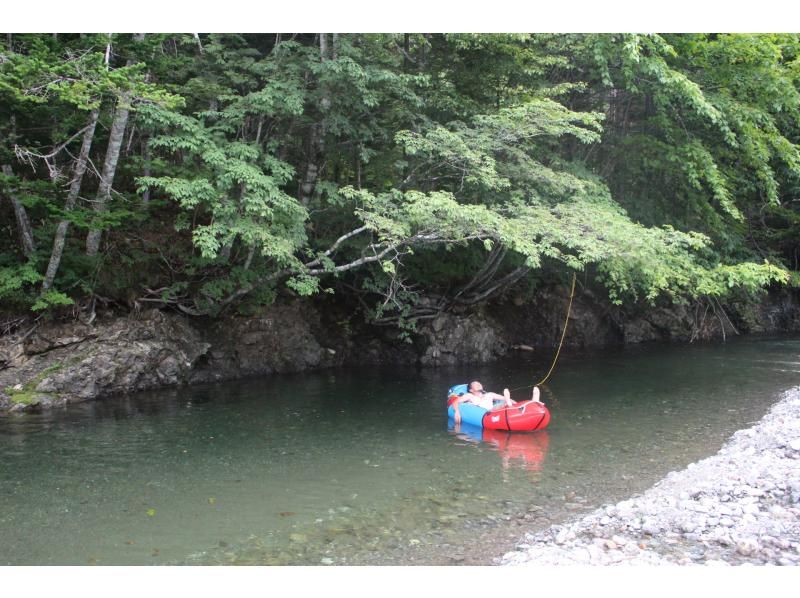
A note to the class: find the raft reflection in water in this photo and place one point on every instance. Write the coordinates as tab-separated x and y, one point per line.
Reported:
517	450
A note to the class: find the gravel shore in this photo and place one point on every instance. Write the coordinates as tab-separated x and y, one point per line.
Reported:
740	506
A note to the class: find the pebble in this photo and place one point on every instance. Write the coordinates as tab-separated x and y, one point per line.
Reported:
747	546
563	536
688	526
631	549
651	527
738	507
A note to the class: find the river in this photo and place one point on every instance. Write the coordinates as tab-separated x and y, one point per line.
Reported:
359	466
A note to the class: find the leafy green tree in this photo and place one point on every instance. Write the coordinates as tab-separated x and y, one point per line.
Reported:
67	82
411	172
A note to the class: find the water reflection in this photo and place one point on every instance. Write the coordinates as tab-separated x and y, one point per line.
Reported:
517	450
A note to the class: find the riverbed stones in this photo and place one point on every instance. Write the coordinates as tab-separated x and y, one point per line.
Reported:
720	511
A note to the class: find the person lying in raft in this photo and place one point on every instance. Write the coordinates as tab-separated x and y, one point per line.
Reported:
487	400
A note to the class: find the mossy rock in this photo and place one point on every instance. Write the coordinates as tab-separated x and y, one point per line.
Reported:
26	395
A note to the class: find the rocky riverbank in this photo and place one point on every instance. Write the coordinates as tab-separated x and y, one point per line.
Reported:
740	506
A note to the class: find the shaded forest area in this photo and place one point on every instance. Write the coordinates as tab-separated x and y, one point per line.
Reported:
409	174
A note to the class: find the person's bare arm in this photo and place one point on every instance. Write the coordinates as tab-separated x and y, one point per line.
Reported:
456	411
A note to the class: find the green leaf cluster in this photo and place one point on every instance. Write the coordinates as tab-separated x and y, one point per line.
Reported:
397	166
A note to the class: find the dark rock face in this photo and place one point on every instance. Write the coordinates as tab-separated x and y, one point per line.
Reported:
540	323
74	362
451	339
780	311
60	363
279	341
70	362
659	324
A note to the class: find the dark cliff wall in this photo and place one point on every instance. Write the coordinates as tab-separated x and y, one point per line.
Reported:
58	363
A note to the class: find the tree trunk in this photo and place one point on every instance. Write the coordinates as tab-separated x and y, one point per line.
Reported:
115	140
309	182
323	45
23	223
109	168
72	197
316	138
146	167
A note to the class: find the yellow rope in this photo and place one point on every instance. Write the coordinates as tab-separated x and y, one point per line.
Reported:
563	334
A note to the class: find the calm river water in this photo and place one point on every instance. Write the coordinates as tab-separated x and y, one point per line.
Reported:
358	466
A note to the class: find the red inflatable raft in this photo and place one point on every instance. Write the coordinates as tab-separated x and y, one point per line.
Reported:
525	416
522	417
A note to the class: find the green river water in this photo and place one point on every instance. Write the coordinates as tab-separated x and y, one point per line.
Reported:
358	466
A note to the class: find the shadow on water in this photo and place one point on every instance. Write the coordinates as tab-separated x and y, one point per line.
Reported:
361	466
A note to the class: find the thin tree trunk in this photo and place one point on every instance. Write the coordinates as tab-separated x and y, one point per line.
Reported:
316	138
260	129
309	181
358	166
146	167
72	197
107	59
129	145
109	168
23	223
323	45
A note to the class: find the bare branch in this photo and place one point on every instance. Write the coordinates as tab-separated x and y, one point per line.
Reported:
507	280
336	244
359	262
486	272
27	156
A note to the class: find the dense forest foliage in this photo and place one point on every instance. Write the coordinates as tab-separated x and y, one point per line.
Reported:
408	172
